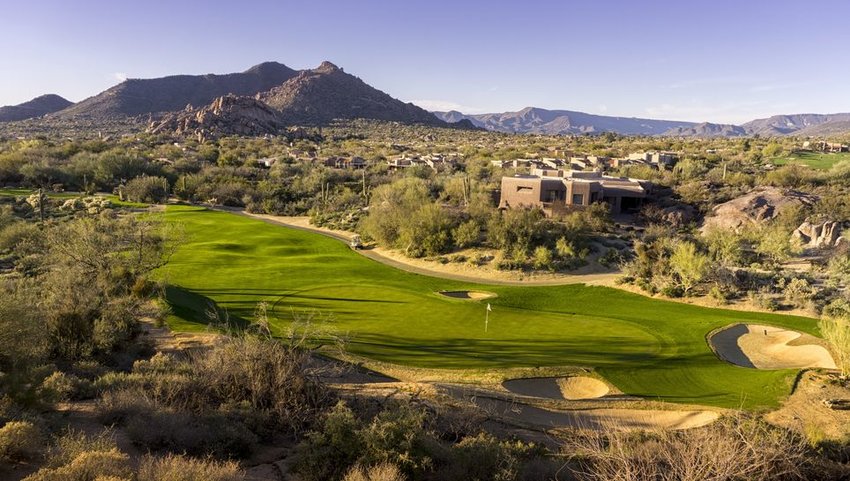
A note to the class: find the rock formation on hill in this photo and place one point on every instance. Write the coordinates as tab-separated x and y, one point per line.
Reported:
37	107
227	115
326	93
818	233
135	97
757	207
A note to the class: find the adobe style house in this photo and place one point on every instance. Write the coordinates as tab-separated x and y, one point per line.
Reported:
557	191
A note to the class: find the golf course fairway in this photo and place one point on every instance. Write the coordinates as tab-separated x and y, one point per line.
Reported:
645	347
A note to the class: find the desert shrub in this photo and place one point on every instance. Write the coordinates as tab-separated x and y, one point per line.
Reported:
426	231
729	450
763	299
195	434
65	387
516	229
88	466
147	189
379	472
798	292
542	258
182	468
20	440
74	443
484	458
327	452
397	435
22	237
836	331
219	401
467	234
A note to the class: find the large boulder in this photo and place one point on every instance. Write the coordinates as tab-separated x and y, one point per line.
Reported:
758	207
818	233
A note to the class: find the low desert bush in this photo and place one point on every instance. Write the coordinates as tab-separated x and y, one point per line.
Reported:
20	440
379	472
729	450
73	443
60	386
88	466
182	468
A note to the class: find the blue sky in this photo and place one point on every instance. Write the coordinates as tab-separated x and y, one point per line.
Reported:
719	61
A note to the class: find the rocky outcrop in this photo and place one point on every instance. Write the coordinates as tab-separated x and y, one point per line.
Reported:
818	233
228	115
760	206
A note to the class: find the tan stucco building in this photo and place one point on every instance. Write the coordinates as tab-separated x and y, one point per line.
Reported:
562	190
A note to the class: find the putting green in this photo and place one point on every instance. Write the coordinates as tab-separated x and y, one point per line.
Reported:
645	347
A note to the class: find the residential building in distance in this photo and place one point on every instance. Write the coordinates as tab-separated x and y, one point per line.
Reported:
661	160
345	162
559	191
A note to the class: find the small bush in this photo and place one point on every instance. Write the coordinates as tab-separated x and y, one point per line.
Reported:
147	189
72	444
542	258
65	387
380	472
88	466
181	468
20	440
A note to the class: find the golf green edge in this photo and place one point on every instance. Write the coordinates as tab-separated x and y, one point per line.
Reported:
645	347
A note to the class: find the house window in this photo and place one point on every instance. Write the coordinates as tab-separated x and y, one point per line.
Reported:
554	195
522	188
578	199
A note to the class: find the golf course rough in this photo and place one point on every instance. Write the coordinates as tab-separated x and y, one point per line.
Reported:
644	347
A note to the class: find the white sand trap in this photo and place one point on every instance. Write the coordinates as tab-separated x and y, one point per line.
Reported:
468	295
603	419
582	387
767	347
571	388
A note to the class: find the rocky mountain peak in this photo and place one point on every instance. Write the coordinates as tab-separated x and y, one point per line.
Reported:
327	67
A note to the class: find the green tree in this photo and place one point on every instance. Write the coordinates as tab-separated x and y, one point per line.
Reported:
689	265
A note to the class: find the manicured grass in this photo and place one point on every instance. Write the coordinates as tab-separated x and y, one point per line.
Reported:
70	195
815	160
646	347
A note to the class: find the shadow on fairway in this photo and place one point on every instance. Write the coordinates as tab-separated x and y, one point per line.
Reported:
187	305
500	353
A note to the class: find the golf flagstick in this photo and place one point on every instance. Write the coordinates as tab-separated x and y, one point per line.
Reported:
487	317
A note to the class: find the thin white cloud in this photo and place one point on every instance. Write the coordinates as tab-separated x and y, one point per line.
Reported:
119	76
446	105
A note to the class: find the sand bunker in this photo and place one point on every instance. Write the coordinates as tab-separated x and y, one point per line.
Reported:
602	419
581	387
766	347
571	388
468	295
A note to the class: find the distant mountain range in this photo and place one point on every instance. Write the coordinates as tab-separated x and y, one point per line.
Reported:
318	96
37	107
558	122
261	99
135	97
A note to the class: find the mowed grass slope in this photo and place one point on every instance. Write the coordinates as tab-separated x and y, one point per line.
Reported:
815	160
646	347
